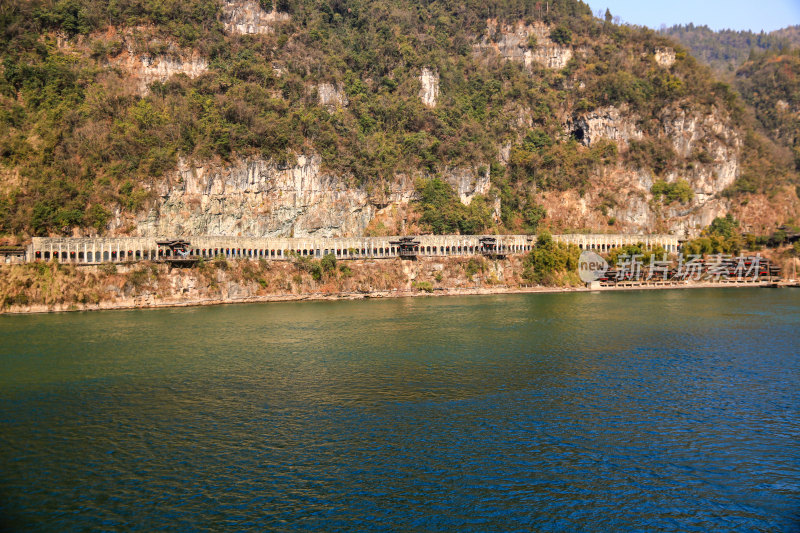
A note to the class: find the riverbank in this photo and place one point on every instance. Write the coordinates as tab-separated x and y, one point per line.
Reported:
54	287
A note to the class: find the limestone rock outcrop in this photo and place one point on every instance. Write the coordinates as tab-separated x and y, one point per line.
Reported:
704	138
665	56
513	42
246	17
429	91
604	123
144	69
332	96
467	183
261	198
257	198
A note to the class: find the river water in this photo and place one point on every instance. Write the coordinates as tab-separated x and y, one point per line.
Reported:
655	410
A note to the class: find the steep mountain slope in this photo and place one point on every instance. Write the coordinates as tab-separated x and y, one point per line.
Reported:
311	117
764	68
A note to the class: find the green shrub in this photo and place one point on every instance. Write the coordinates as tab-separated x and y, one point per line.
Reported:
97	216
726	226
721	236
656	253
778	238
307	264
561	35
443	212
560	166
532	214
713	244
473	266
656	155
328	263
315	270
425	286
548	258
678	191
623	86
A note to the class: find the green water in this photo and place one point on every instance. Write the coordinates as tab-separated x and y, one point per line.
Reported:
674	410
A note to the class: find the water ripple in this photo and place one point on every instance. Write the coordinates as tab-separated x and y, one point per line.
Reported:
673	411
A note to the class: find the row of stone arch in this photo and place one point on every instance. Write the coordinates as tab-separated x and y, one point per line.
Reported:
603	247
106	255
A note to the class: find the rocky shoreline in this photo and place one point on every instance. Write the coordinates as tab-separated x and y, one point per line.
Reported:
152	303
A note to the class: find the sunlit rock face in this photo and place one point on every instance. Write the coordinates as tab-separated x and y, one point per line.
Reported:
513	42
261	198
610	123
257	198
429	92
332	96
247	17
665	56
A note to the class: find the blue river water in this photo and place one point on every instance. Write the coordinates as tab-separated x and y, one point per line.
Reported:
636	411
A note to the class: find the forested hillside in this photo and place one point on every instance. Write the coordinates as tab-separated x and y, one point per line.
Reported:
102	101
726	50
770	82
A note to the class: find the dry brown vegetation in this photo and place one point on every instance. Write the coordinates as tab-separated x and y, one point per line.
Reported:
54	286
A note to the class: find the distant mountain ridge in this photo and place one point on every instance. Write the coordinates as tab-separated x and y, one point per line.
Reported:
770	83
790	33
726	50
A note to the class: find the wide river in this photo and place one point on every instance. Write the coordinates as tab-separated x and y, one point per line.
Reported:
655	410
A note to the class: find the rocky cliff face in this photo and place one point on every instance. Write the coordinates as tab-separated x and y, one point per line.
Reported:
332	96
261	198
665	56
707	144
625	192
429	90
632	209
144	69
247	17
527	43
689	132
257	198
604	123
467	183
142	58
